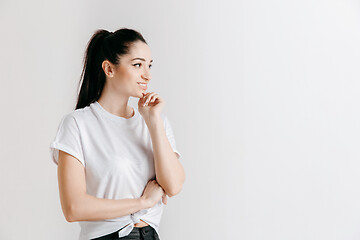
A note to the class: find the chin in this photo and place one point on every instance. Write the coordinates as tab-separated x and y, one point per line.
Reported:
140	94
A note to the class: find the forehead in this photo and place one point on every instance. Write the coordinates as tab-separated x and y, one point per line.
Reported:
141	50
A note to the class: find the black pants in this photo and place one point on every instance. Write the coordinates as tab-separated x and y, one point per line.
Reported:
138	233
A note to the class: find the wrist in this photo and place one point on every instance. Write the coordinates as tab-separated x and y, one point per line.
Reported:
143	202
153	120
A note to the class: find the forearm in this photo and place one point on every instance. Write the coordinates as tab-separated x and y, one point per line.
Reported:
169	172
90	208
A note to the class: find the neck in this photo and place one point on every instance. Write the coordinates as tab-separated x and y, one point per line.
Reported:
114	103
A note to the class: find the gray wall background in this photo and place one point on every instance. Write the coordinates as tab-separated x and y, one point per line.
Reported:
263	97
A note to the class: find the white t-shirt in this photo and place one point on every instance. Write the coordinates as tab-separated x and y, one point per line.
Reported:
118	158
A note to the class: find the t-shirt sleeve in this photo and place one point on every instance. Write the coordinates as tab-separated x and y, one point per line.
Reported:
67	139
171	136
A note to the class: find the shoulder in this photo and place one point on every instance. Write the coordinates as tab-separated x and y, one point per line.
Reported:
80	113
76	116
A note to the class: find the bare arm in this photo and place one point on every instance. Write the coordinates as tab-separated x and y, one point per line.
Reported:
170	173
77	205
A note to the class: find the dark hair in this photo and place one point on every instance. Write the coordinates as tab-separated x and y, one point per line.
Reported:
103	45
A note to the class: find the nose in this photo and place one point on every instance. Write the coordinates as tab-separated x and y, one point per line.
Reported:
146	75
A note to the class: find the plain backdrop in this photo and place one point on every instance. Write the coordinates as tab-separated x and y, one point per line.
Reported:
263	97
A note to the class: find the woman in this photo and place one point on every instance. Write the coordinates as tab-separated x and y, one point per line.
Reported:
116	164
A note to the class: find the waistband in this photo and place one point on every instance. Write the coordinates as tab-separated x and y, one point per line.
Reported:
142	230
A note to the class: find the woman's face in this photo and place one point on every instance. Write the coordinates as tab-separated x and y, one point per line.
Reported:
134	68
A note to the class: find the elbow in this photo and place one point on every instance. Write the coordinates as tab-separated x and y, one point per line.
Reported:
75	210
174	191
174	188
171	194
69	218
70	215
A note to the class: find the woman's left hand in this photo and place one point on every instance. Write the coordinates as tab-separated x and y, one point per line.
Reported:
154	105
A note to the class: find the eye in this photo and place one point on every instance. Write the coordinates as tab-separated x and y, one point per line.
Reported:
140	65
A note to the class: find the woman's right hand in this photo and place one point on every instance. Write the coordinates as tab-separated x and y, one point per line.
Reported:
153	193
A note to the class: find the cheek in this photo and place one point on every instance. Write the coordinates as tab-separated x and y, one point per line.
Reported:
125	77
129	74
128	80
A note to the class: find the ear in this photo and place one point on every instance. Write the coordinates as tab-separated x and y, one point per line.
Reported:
108	68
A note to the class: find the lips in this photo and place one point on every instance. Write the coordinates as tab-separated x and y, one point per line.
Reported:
143	86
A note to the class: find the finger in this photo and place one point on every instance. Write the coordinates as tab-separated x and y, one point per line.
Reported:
144	96
148	97
152	99
156	96
143	99
164	199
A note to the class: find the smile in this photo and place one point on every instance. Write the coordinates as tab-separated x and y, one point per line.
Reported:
143	85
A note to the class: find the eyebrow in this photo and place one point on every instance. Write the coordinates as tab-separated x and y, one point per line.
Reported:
140	59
